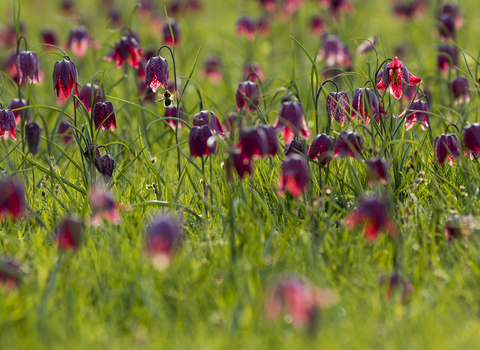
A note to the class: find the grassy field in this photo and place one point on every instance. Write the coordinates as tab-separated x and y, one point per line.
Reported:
242	236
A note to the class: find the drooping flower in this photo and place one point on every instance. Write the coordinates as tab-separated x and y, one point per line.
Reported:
114	16
212	69
338	107
408	10
251	71
454	11
107	165
252	143
365	103
295	147
33	133
89	152
322	148
246	26
209	118
269	5
171	112
65	78
49	37
163	238
294	177
446	147
374	213
471	137
336	6
366	46
335	52
271	147
317	25
447	58
12	198
28	67
290	121
417	111
262	26
69	234
457	226
233	123
103	205
394	282
78	41
198	141
446	27
236	161
378	170
65	130
393	74
289	7
156	73
103	115
247	95
127	48
460	90
7	123
86	94
348	143
167	35
10	274
21	114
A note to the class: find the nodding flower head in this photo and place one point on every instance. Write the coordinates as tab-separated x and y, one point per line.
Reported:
236	161
294	177
8	125
251	71
454	11
336	6
378	170
247	96
408	10
107	165
348	143
446	27
365	103
417	111
295	147
457	226
447	58
89	152
269	5
78	41
103	205
209	118
171	112
69	234
33	133
262	26
156	73
252	143
12	198
167	35
338	107
163	238
10	274
471	137
461	90
317	25
446	147
212	69
394	73
322	148
366	46
393	282
27	67
271	147
200	142
86	94
103	115
335	52
246	26
65	131
21	114
127	48
374	213
65	78
290	121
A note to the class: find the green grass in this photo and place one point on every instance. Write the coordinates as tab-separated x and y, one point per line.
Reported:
107	295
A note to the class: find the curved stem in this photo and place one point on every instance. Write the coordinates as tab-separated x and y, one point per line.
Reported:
316	106
451	124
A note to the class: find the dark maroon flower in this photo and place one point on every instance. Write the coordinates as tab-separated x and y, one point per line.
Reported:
454	11
334	52
393	282
295	147
198	141
10	274
69	234
447	58
49	37
246	26
290	121
7	123
78	41
457	226
251	71
247	96
271	147
446	26
417	111
335	6
290	6
86	95
28	67
103	205
461	90
12	198
252	143
446	147
103	115
65	78
366	46
209	118
317	25
269	5
378	170
471	137
366	102
127	48
171	112
8	34
294	177
167	35
374	213
89	151
212	69
236	160
322	148
67	6
232	123
348	143
408	10
107	164
33	133
163	238
156	73
393	74
21	114
338	107
64	128
114	16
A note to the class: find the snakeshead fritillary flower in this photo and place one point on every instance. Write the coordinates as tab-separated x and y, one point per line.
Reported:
163	239
290	121
107	164
335	52
446	147
366	46
171	112
7	123
10	274
33	133
251	71
89	151
69	234
86	94
246	26
12	198
28	67
408	10
167	35
417	111
461	90
269	5
294	177
393	282
156	73
322	148
295	147
252	143
335	6
209	118
247	96
365	102
338	107
103	115
198	141
65	78
458	225
348	143
78	41
446	27
21	114
317	25
262	26
103	205
64	128
393	74
373	212
378	170
236	160
471	137
212	69
447	58
271	147
454	11
127	48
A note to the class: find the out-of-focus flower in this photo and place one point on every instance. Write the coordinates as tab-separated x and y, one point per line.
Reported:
271	147
366	46
322	148
163	238
460	90
21	114
294	177
86	94
78	41
348	143
7	123
246	26
49	37
69	234
103	205
290	121
252	143
269	5
233	122
65	130
28	67
454	11
299	300
365	103
145	8
457	226
417	111
289	7
67	6
236	161
10	274
212	69
446	27
338	107
317	25
107	165
127	48
89	152
471	137
334	52
171	112
65	78
409	10
209	118
156	73
295	147
247	96
378	170
447	58
8	34
251	71
103	115
167	35
262	26
336	6
446	147
33	133
393	74
393	282
373	212
198	141
12	198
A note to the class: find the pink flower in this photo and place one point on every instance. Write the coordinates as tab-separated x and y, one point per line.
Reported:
393	74
103	205
290	121
294	177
